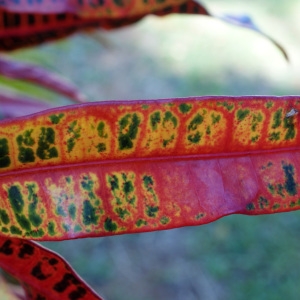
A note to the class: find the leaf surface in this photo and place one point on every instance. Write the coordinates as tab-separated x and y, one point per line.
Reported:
121	167
42	273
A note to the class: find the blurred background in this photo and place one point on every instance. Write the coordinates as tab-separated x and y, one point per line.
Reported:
237	257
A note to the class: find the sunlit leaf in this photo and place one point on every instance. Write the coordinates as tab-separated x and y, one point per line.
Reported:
40	76
42	273
121	167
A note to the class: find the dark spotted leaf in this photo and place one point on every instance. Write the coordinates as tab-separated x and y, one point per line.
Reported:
42	273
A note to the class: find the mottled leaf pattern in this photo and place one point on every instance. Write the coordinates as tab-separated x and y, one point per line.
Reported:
120	167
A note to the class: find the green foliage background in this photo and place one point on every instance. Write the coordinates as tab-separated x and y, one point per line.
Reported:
237	257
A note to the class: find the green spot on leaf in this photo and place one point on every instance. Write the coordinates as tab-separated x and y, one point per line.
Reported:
109	225
199	216
72	211
148	181
269	104
26	154
15	230
33	216
114	182
263	202
250	206
51	228
128	131
89	214
228	106
100	129
4	153
55	119
154	120
23	222
169	117
140	222
290	126
74	132
185	108
101	147
277	118
45	149
274	136
122	212
290	184
164	220
195	122
195	138
66	227
60	211
151	211
242	114
37	233
215	119
16	199
77	228
4	217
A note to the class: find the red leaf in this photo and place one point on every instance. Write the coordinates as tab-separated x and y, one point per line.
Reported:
42	273
120	167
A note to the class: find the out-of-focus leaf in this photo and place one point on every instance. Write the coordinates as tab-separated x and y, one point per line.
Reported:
42	273
40	76
48	21
246	21
9	291
15	105
121	167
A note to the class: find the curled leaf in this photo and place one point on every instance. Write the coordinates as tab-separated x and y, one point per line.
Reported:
42	273
40	76
46	21
246	22
15	105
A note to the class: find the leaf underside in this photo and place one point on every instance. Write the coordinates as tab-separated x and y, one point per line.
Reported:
121	167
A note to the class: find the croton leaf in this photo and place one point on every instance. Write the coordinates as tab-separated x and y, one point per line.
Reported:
43	274
121	167
40	76
15	105
28	23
